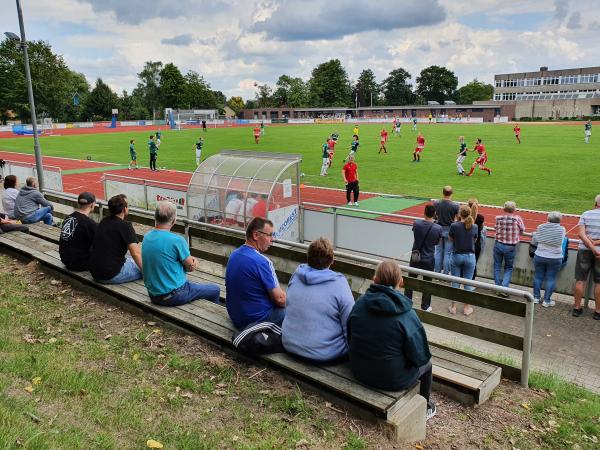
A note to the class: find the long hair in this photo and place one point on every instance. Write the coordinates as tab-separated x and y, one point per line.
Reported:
474	205
465	216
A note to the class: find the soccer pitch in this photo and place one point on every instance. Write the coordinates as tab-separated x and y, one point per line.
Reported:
552	169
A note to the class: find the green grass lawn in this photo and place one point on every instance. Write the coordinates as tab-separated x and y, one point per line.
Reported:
552	169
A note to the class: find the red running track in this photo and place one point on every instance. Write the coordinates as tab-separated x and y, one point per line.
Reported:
92	181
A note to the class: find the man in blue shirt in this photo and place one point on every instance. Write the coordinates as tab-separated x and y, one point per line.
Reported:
165	258
253	292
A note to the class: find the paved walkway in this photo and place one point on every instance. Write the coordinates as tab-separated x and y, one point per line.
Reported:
564	345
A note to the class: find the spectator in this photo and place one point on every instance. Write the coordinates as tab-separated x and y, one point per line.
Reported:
463	234
251	201
165	258
446	211
427	235
253	292
319	302
548	257
588	257
509	228
388	344
31	206
7	225
109	262
10	195
233	210
77	234
481	231
350	175
260	208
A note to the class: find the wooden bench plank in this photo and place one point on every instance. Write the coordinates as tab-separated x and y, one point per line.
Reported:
456	377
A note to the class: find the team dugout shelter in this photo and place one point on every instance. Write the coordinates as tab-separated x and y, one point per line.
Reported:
233	186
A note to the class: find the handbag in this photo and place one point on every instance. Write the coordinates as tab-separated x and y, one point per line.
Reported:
415	256
532	249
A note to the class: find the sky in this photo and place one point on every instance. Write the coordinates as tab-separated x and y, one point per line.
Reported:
237	43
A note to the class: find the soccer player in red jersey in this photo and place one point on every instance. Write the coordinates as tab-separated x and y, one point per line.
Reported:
331	145
419	148
256	134
350	175
481	159
383	139
517	130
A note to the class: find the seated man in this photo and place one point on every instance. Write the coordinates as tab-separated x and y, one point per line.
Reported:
233	208
253	292
165	258
7	225
31	206
10	195
114	237
77	234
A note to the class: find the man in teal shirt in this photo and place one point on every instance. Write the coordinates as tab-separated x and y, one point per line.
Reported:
153	153
165	259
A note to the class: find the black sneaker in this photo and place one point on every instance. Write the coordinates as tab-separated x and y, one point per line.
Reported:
431	411
596	315
577	312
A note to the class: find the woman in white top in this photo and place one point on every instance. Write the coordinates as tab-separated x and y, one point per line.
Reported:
548	256
9	196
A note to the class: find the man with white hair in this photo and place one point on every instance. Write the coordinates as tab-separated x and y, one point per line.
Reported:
588	257
509	228
165	258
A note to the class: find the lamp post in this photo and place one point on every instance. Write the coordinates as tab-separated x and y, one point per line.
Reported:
36	142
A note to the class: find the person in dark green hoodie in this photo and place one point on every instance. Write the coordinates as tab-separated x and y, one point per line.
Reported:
388	344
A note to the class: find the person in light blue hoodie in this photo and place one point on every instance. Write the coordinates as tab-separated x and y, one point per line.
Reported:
319	302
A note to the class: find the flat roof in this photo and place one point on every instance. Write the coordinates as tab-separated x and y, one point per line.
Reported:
379	108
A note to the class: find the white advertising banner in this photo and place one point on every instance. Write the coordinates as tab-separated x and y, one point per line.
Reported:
301	120
196	206
157	194
286	223
136	195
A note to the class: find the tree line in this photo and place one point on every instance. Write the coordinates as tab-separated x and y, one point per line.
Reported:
66	96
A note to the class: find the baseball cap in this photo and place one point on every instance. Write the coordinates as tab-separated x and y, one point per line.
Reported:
86	198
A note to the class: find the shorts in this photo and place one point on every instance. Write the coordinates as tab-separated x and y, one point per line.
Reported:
586	262
133	156
481	160
588	133
419	149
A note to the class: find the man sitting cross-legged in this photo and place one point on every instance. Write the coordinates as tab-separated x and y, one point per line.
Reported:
165	258
253	292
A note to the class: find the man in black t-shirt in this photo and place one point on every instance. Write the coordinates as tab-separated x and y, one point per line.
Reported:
109	262
77	234
446	211
427	235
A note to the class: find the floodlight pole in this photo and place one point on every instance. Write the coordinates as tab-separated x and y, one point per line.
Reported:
36	141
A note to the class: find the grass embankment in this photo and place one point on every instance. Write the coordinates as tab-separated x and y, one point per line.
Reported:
553	169
76	373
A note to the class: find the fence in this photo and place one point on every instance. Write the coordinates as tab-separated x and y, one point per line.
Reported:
23	170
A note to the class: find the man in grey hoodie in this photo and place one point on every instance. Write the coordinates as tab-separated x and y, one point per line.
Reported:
31	206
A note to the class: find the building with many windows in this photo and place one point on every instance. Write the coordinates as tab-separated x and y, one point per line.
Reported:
550	93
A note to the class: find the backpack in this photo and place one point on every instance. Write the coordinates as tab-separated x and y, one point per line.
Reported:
259	339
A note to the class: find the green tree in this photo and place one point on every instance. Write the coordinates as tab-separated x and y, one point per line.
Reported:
236	103
197	92
148	86
171	86
437	83
396	89
291	92
263	96
329	85
100	102
220	100
54	84
474	91
366	90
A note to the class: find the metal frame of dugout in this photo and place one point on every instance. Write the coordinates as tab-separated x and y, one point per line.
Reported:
234	176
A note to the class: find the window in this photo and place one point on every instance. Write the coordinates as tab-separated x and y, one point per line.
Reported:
476	109
498	83
497	96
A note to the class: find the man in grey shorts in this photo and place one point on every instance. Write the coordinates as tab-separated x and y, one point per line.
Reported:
588	257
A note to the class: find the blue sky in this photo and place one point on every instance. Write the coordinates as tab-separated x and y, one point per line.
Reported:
235	43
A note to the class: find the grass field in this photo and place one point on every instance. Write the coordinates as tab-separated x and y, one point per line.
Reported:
552	169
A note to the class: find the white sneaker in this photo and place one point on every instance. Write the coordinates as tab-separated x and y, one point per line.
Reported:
535	300
549	304
431	411
350	204
355	203
428	309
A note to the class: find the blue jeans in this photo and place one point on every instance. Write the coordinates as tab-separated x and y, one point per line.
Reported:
463	266
129	272
43	214
189	292
443	253
545	269
506	253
